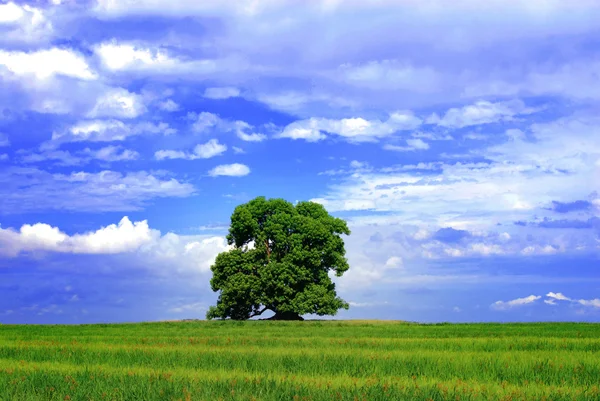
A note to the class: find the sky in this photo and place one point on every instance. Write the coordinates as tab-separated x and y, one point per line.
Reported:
461	144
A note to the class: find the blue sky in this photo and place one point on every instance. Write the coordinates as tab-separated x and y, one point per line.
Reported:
462	145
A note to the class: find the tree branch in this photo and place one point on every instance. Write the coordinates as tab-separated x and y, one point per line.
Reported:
258	313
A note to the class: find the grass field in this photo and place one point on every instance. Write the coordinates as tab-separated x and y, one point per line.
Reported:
311	360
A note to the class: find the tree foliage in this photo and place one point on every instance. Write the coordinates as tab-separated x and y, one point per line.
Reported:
280	260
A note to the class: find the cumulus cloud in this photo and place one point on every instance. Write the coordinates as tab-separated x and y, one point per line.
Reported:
232	170
503	305
120	103
181	253
207	150
115	238
208	122
47	63
123	57
24	23
168	105
352	129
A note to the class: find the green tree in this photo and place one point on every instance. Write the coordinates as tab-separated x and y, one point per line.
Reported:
280	261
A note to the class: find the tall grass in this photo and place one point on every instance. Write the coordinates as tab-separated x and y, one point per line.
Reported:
300	361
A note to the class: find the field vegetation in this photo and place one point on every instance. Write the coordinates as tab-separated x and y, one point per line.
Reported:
311	360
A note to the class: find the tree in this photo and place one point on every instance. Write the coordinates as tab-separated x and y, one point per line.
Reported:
280	261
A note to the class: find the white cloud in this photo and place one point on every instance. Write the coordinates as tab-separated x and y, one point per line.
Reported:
241	130
558	296
481	112
168	105
503	305
112	154
129	57
357	164
352	129
389	75
221	93
237	150
30	189
61	157
66	158
595	303
3	156
120	103
124	237
166	253
205	122
232	170
519	178
394	262
107	131
413	144
24	23
207	150
44	64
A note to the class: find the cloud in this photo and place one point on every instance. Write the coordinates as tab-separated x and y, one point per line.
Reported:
394	262
232	170
31	189
207	150
390	74
481	112
115	238
450	235
502	305
221	93
135	240
47	63
4	141
518	178
168	105
124	56
145	59
553	297
557	296
118	102
23	23
66	158
112	154
413	144
208	122
106	131
351	129
566	207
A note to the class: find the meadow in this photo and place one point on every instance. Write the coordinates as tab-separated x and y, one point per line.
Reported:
310	360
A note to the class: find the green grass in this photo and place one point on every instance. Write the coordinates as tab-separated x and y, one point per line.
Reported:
312	360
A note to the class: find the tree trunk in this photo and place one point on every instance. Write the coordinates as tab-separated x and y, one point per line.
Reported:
285	316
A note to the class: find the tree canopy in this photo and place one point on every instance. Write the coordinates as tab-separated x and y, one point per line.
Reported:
280	261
